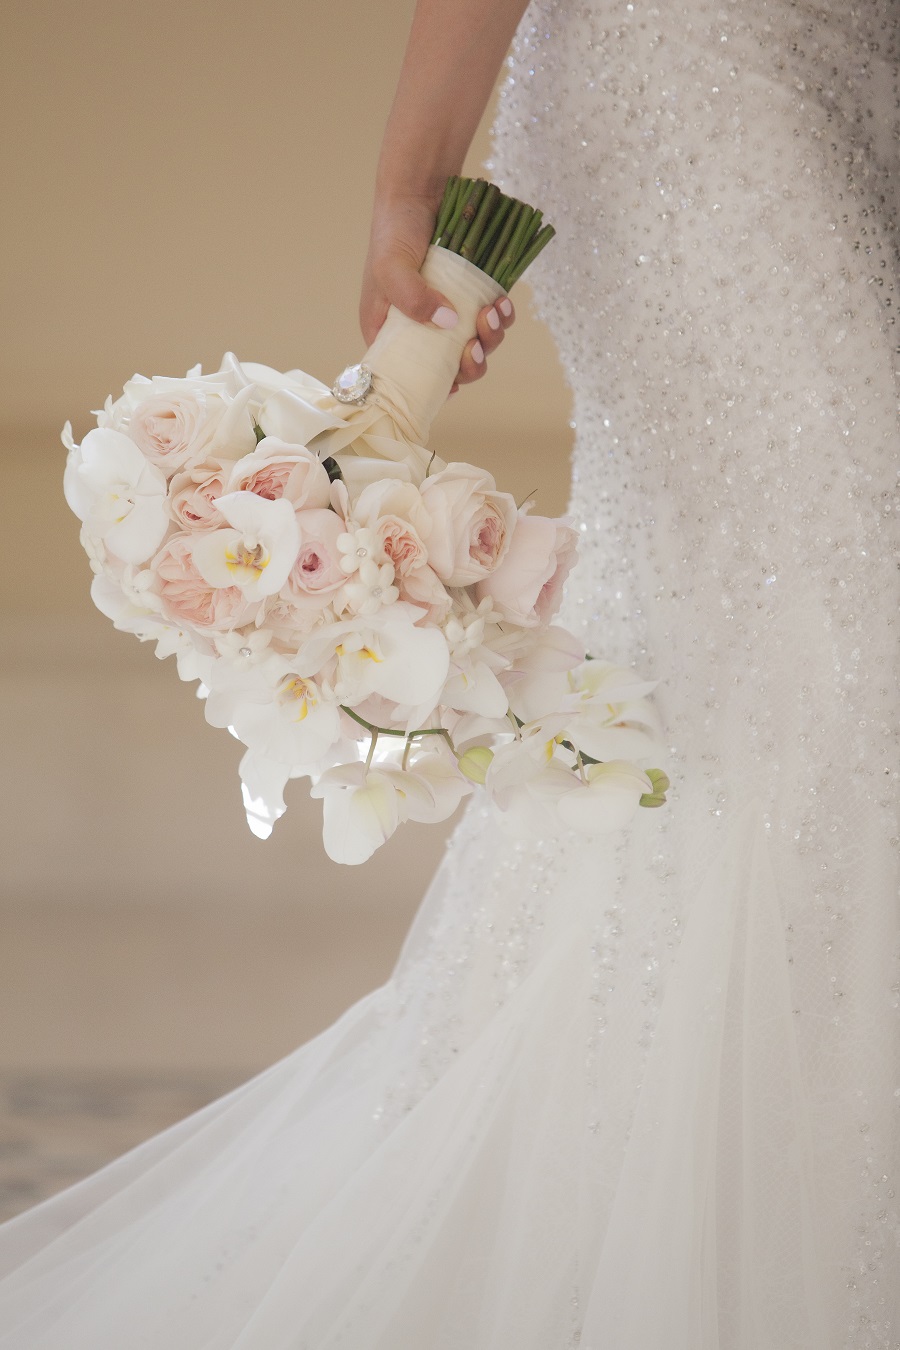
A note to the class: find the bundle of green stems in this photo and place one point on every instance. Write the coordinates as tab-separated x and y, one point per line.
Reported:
500	235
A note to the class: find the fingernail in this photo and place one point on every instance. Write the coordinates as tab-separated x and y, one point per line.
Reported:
505	307
444	317
478	353
493	318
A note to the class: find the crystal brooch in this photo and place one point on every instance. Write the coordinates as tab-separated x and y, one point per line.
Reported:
353	385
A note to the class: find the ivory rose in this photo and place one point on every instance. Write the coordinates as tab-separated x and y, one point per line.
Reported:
187	598
471	523
527	585
279	469
178	423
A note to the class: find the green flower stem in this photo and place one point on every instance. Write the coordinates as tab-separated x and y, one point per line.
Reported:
511	252
467	215
470	244
520	245
496	253
491	232
369	726
657	777
409	736
515	723
451	192
456	203
534	226
498	234
542	238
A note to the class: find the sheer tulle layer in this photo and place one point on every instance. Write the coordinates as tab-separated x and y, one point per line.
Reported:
314	1208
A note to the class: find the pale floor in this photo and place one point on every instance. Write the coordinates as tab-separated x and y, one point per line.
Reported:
56	1128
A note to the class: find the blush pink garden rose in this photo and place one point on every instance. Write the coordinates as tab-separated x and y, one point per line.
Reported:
393	499
278	469
192	497
395	512
401	544
187	599
527	585
317	571
471	523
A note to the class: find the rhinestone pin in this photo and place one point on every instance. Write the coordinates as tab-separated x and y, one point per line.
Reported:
353	385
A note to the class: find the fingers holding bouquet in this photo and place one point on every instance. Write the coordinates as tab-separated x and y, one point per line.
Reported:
402	229
493	322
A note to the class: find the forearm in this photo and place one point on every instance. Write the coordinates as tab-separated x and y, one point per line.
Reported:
453	55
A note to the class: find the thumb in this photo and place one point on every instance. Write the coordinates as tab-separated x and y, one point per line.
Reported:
404	287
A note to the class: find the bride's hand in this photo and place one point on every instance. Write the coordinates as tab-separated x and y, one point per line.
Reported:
401	233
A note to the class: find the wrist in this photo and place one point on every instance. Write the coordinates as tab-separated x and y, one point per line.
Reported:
416	174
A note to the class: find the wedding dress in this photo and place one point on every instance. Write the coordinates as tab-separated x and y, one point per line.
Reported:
642	1092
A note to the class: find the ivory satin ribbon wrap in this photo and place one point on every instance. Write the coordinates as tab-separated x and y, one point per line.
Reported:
413	365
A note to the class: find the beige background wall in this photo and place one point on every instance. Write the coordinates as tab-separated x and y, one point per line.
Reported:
181	179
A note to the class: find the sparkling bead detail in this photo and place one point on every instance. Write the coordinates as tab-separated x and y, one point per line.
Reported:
724	177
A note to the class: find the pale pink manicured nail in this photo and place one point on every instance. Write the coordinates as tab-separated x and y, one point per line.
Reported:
493	319
444	317
505	306
478	353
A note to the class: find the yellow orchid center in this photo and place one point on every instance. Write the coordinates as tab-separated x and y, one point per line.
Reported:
294	689
247	560
364	653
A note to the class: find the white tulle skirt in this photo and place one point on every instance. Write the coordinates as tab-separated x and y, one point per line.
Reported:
466	1159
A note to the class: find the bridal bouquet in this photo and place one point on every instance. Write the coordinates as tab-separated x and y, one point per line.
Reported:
357	611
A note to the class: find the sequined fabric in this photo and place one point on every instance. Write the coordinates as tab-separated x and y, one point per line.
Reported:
725	179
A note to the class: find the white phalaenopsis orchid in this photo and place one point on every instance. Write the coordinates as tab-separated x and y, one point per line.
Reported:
120	495
356	611
384	653
296	724
362	809
606	799
364	804
611	716
256	555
